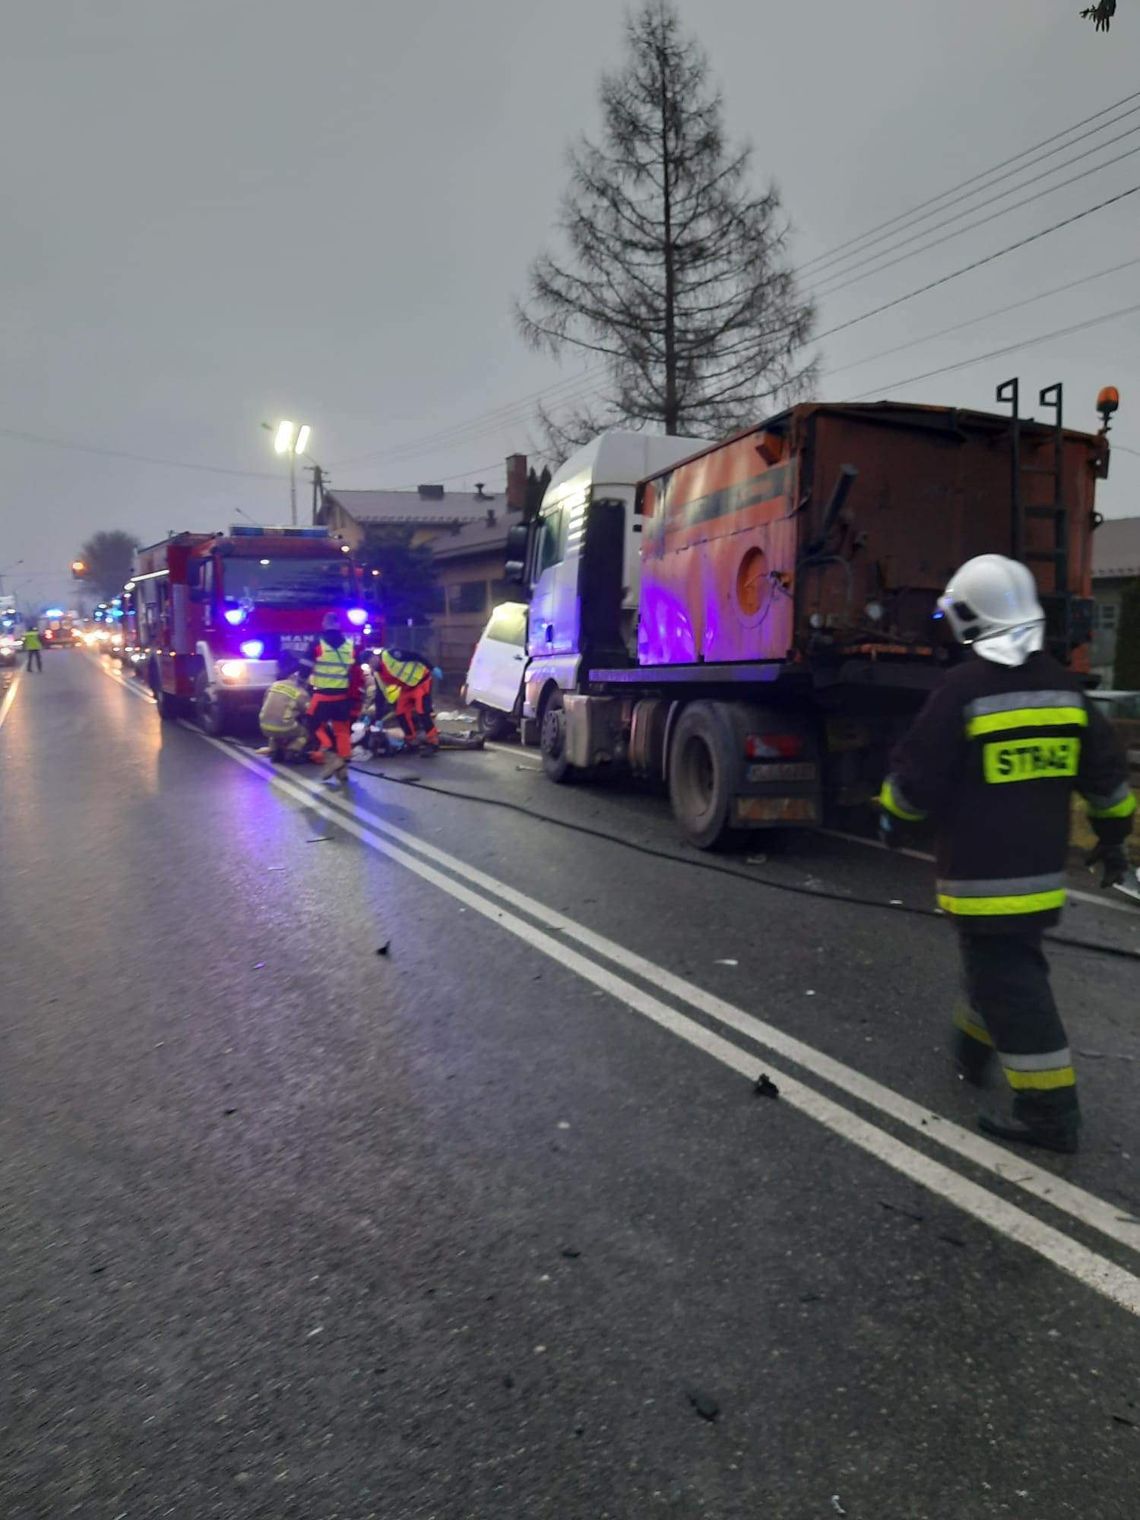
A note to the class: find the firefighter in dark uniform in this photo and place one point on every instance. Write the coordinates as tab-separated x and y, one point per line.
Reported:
992	761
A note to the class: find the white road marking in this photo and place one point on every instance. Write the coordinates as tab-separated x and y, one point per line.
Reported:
1096	1272
1065	1196
1107	1218
9	698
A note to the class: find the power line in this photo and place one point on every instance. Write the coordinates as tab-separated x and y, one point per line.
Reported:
1124	449
970	226
989	258
998	311
973	179
90	448
996	353
431	439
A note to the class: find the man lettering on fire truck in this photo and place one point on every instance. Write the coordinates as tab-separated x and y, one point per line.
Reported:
992	760
406	682
335	684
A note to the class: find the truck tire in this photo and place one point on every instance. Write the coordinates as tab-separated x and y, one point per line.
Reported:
210	713
166	703
702	774
552	731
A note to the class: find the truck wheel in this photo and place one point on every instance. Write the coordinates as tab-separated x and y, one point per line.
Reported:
210	712
553	739
702	773
166	704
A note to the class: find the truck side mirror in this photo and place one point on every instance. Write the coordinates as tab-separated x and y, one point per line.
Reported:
518	536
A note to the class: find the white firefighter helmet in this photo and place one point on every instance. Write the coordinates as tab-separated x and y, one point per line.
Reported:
991	604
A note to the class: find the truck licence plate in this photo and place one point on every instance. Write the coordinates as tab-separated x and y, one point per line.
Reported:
803	771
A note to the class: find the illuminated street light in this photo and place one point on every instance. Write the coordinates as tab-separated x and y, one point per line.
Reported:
290	438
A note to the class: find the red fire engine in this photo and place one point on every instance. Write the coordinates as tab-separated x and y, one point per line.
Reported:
214	611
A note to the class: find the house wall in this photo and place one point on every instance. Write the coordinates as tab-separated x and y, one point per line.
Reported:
471	585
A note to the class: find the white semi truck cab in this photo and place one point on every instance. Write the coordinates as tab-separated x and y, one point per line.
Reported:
564	626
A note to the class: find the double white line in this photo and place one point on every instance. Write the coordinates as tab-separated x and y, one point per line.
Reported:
550	933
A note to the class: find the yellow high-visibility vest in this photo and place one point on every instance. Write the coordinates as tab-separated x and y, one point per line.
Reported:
333	666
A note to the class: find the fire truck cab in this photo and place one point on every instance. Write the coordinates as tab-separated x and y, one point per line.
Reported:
215	610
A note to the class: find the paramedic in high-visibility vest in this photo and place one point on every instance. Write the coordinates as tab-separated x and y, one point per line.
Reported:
286	737
334	680
406	682
992	762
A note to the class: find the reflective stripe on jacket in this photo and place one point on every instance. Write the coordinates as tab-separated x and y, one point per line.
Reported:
332	668
993	760
280	708
399	673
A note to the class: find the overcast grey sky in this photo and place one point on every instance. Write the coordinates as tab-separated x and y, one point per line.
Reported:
218	213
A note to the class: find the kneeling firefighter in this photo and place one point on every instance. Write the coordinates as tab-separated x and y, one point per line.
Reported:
406	682
286	737
992	761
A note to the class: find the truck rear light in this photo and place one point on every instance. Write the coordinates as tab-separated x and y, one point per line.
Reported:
232	670
774	746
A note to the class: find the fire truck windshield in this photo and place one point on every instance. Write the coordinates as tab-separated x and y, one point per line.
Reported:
287	579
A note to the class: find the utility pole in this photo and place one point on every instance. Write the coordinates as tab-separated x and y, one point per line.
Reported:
318	488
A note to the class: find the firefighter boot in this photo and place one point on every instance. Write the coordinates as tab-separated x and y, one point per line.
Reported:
1058	1133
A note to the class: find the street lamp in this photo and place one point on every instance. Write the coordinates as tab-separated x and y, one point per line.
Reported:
290	438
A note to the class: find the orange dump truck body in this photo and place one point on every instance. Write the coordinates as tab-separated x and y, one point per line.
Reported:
751	551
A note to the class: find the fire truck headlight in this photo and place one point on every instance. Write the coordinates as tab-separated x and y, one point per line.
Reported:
231	670
253	649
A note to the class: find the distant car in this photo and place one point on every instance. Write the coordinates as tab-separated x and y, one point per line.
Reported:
1117	704
494	677
10	646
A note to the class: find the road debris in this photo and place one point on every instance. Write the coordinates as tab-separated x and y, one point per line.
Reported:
259	965
384	948
726	963
570	1253
318	839
836	1506
275	868
757	860
706	1407
765	1087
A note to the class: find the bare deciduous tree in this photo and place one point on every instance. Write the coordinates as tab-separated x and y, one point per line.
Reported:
676	273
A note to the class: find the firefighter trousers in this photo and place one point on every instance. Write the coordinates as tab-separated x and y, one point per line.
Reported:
330	714
413	709
1011	1009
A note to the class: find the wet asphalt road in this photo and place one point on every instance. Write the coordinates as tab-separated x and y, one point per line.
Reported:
479	1229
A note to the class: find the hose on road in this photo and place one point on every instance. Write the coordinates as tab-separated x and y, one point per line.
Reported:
696	863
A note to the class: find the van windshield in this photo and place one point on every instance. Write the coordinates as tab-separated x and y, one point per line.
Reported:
287	579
